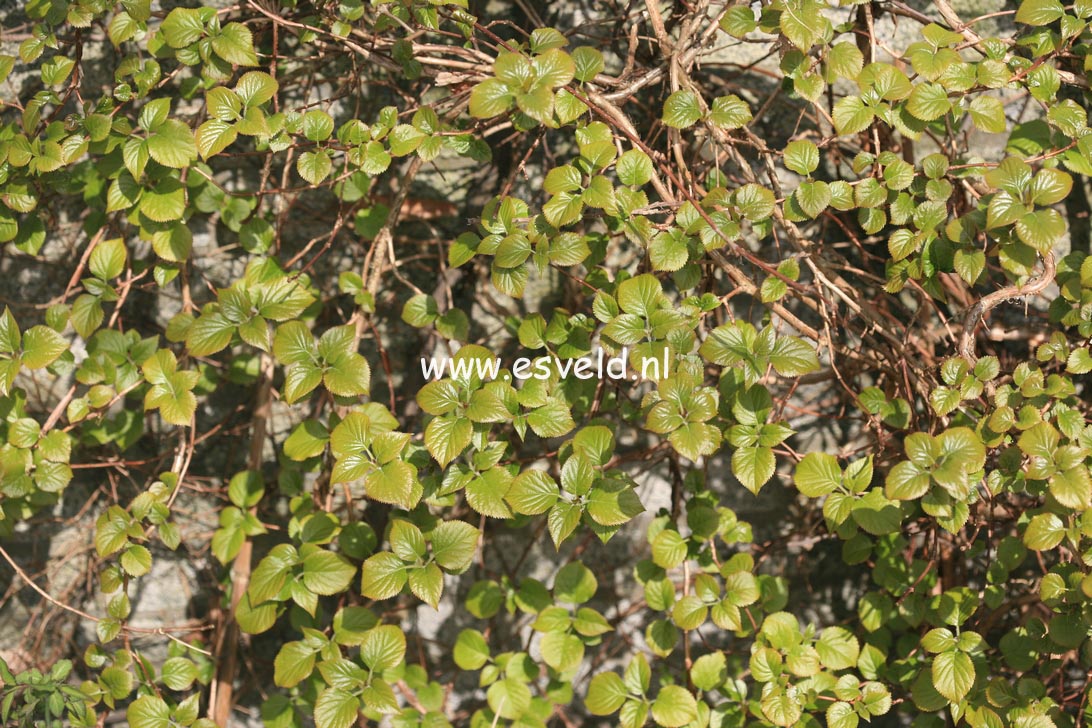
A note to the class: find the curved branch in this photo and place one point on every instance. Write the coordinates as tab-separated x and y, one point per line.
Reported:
977	312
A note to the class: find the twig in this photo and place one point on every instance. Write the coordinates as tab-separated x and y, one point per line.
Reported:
988	302
164	631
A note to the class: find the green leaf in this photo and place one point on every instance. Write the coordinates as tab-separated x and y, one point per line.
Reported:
709	671
695	439
454	544
551	420
612	503
255	620
841	715
1044	532
235	45
420	310
172	144
939	640
376	159
179	673
755	202
802	156
753	467
561	651
166	202
136	560
587	63
606	693
906	481
817	474
844	60
674	707
315	166
802	23
730	112
108	259
471	650
634	168
876	514
427	584
668	549
42	346
317	125
1041	229
272	571
689	612
532	492
490	98
10	339
793	357
640	295
326	573
209	334
181	27
1039	12
1050	186
554	68
812	197
245	489
574	583
255	88
383	576
738	21
148	712
173	243
1073	487
1004	209
447	436
394	482
681	110
509	698
953	674
438	398
851	115
1079	361
928	101
336	709
407	541
988	114
294	663
838	649
348	375
383	647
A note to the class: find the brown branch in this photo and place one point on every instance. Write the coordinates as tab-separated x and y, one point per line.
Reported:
990	301
222	689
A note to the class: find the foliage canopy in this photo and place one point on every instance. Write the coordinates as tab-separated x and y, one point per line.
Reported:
247	223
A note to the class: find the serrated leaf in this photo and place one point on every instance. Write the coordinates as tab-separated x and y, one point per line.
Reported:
447	436
1039	12
326	573
454	544
235	45
606	693
817	474
681	110
383	576
172	144
988	114
674	707
42	346
928	101
953	674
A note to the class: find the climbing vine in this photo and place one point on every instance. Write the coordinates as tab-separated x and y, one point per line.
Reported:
322	301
